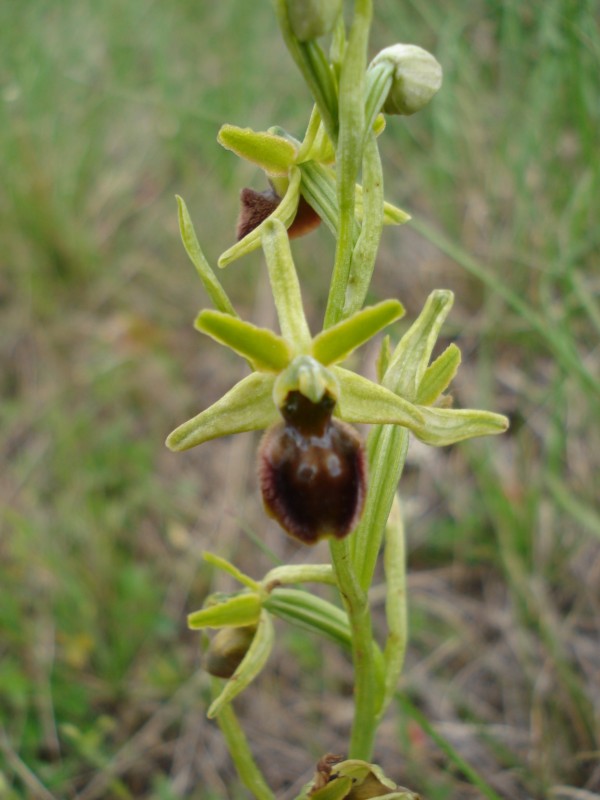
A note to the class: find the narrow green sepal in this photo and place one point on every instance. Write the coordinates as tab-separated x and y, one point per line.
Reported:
249	667
284	212
267	351
248	406
336	343
361	400
274	154
210	281
284	284
445	426
438	376
242	609
411	357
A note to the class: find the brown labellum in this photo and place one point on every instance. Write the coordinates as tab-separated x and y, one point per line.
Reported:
312	471
255	207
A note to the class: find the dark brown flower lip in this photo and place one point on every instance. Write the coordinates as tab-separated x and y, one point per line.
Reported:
312	472
256	207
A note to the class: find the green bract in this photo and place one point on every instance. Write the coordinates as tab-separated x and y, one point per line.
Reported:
294	360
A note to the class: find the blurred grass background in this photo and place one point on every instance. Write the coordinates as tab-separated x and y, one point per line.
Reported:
106	111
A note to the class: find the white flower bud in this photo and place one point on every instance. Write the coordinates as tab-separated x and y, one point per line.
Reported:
416	77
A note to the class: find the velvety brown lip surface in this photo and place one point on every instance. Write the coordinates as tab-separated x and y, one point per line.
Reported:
312	471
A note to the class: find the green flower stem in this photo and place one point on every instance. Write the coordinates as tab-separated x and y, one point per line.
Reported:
349	152
240	752
365	677
313	65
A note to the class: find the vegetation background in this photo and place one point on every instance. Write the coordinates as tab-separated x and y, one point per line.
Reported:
106	111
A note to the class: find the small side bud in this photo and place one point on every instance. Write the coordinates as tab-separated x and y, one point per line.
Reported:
227	649
416	77
310	19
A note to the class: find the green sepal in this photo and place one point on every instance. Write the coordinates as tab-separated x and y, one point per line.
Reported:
250	665
284	284
248	406
361	400
267	351
438	376
190	241
242	609
285	212
411	357
445	426
274	154
336	343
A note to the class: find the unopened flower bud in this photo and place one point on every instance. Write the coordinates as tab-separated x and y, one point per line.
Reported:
227	649
310	19
416	77
312	470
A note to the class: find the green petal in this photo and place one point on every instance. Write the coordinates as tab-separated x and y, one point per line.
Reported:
249	667
285	212
284	284
247	407
267	351
411	357
274	154
448	425
243	609
211	283
361	400
336	343
438	376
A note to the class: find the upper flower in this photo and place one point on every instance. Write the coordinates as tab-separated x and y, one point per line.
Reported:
302	184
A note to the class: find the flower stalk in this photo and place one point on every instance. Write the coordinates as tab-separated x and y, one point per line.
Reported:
317	478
